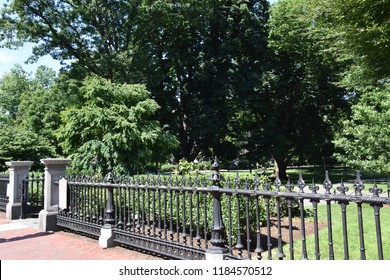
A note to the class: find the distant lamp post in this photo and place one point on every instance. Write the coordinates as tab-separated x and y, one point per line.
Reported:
235	163
326	144
196	167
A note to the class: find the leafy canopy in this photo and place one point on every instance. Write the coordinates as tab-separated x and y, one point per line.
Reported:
113	125
12	85
365	138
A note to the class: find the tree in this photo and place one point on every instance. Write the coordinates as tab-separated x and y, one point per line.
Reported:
113	125
196	57
19	139
365	138
95	35
200	60
40	107
17	143
300	102
12	85
359	32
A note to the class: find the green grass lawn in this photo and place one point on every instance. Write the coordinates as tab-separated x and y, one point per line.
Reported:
336	173
370	239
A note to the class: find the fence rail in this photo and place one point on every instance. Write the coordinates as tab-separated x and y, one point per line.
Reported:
183	218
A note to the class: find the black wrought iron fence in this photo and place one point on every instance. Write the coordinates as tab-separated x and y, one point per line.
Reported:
4	181
86	205
168	216
182	217
32	195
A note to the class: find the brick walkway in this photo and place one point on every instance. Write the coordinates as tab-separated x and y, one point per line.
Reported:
19	242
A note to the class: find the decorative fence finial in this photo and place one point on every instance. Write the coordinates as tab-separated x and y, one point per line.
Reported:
358	184
109	176
327	183
215	176
342	188
314	188
375	190
301	183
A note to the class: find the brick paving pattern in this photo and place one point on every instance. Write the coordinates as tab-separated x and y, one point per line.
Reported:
26	243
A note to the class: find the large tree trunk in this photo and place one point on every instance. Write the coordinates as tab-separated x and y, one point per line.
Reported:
280	167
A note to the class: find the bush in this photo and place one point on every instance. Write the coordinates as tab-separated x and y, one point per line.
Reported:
185	167
168	168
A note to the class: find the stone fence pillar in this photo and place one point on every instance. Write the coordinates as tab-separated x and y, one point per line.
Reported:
18	171
54	169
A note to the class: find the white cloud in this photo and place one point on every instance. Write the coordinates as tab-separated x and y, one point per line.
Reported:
9	57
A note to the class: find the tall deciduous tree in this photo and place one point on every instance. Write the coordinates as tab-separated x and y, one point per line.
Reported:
40	107
20	139
204	58
301	100
96	35
358	32
113	125
17	143
12	85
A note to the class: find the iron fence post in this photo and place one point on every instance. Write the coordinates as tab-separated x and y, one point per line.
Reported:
106	238
218	250
109	220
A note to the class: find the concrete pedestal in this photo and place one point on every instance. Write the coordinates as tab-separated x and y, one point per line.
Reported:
54	169
106	238
18	171
47	221
13	211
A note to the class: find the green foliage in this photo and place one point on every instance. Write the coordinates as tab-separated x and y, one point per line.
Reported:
40	107
357	32
360	33
168	168
19	144
364	140
199	59
113	125
23	108
225	78
96	35
185	167
12	85
294	116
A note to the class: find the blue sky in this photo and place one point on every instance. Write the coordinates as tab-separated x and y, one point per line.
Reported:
8	58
